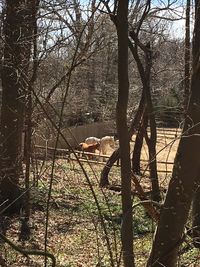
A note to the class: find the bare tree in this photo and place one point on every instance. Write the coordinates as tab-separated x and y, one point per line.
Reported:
145	74
122	129
187	56
176	207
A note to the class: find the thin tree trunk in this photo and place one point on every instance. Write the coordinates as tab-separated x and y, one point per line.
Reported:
138	145
186	169
106	169
196	216
122	129
187	57
151	141
28	130
153	168
116	154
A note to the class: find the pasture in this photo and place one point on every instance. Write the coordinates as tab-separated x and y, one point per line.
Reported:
84	220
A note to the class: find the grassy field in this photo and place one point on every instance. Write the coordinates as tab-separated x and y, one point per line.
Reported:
76	235
84	220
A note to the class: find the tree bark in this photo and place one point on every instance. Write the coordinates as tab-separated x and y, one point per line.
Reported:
196	216
122	129
18	33
138	145
25	226
186	169
196	198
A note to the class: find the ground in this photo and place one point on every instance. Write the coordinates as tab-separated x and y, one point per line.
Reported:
84	220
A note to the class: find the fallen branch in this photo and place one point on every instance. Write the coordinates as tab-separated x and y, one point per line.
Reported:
147	204
29	252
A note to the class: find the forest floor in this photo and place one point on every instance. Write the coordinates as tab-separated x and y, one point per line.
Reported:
84	220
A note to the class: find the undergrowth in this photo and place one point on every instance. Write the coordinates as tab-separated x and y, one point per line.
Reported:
76	235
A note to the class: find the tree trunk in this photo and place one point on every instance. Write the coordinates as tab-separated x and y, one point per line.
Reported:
186	169
17	31
116	154
153	168
151	141
145	73
196	216
187	57
196	198
105	172
122	129
138	145
28	126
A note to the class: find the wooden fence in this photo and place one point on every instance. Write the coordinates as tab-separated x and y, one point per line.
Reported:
75	135
42	152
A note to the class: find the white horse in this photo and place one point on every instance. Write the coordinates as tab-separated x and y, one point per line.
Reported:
106	143
92	140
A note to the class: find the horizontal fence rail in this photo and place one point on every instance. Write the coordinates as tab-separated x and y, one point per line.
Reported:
61	153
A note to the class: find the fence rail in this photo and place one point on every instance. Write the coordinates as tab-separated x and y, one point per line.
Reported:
47	153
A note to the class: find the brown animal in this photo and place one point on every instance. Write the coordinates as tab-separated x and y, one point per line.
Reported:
89	148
